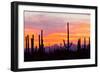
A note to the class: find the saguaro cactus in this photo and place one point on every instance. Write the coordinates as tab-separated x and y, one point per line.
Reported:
27	43
88	43
32	44
39	42
89	40
84	43
42	45
79	44
64	43
68	35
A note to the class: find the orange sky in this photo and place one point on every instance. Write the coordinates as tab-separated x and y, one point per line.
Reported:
79	27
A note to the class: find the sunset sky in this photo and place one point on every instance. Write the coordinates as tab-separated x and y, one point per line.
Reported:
54	26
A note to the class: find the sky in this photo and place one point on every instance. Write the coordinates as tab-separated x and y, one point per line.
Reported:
54	26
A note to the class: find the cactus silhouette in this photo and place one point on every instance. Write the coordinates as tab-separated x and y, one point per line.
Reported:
32	44
39	41
84	43
88	43
27	43
68	35
78	44
68	43
64	43
42	45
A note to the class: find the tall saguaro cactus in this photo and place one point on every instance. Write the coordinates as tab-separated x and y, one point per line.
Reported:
68	35
89	40
39	42
84	43
88	43
79	44
32	43
42	45
27	43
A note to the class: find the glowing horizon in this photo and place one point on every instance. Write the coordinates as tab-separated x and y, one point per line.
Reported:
54	26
